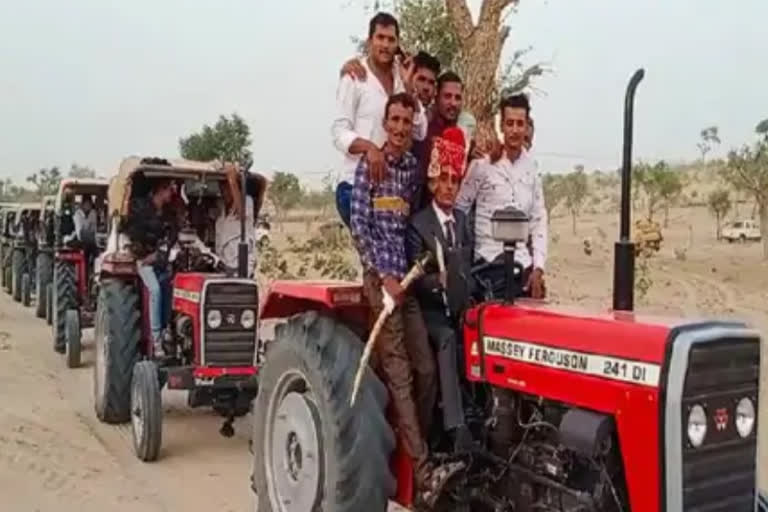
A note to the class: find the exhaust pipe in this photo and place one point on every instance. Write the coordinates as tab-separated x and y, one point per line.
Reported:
242	248
624	249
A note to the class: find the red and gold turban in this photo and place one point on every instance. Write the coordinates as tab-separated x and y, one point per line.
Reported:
448	154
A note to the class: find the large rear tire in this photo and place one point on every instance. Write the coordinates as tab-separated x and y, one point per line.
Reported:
117	334
312	451
146	411
64	299
44	271
17	272
49	304
26	290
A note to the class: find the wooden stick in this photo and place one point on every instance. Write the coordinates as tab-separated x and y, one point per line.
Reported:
416	272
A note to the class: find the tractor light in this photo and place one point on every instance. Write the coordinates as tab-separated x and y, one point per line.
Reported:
697	425
745	417
213	319
248	319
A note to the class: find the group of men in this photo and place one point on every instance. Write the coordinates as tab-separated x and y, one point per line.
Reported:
414	180
153	224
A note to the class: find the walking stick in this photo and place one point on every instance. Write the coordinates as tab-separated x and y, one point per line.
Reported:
414	273
441	268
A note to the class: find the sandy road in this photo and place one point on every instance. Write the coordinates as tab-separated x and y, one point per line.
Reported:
56	456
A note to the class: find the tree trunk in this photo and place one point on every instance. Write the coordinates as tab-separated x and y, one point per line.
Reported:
573	218
666	216
764	228
481	47
719	229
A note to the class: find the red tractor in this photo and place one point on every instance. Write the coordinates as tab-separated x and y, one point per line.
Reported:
212	317
69	283
573	411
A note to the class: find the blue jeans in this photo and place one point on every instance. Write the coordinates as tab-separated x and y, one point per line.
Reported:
158	286
343	200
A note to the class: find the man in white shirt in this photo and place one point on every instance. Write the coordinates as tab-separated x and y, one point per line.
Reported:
513	180
228	224
358	128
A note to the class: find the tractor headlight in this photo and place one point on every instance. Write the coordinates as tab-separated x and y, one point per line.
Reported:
697	425
247	319
213	318
745	417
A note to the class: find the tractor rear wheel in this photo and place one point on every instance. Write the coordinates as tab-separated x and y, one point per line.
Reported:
44	271
311	450
49	304
26	290
17	272
146	411
64	299
72	338
117	334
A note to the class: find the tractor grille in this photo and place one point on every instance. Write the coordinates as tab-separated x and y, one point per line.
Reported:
230	344
719	476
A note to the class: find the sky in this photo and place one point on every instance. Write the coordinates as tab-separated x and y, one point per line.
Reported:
91	81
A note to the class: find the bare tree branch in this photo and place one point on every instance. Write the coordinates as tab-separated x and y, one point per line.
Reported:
462	18
490	12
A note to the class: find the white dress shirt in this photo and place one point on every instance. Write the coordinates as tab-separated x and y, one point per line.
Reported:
85	226
228	236
360	106
496	186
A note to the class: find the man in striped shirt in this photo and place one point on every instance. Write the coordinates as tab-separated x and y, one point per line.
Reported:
379	215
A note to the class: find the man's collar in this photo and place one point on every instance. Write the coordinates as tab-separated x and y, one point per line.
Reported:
442	217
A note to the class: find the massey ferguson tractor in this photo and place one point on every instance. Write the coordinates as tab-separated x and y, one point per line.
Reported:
44	260
213	308
571	410
23	252
7	230
70	287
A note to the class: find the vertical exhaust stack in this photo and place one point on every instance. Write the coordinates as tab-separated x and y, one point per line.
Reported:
242	248
624	250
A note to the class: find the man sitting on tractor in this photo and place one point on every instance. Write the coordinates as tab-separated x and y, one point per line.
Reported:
84	232
444	290
147	229
379	214
512	180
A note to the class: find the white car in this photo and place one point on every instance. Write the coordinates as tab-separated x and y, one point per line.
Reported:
741	230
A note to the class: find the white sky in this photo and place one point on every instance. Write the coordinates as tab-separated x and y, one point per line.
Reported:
90	81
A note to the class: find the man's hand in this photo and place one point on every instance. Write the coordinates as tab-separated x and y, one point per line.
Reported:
393	288
443	279
536	284
355	69
377	164
495	150
407	69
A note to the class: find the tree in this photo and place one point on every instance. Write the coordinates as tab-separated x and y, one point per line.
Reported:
662	187
80	171
709	137
719	203
553	193
228	140
446	29
46	181
285	192
747	170
574	189
762	129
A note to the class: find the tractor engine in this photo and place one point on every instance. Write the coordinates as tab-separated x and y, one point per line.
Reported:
553	458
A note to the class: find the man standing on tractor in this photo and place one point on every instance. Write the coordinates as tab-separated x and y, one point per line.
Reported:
85	223
513	180
379	214
443	293
357	129
147	230
228	223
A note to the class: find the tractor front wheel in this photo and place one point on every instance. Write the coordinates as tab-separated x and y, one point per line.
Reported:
117	334
146	411
17	272
44	270
26	290
64	299
311	449
73	346
49	304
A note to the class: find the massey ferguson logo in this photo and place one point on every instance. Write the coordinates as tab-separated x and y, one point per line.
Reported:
231	319
721	418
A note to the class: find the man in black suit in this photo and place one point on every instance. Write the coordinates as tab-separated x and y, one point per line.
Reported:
444	295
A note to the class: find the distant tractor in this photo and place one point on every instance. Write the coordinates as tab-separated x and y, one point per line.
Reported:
8	212
212	342
647	236
44	263
71	287
23	252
